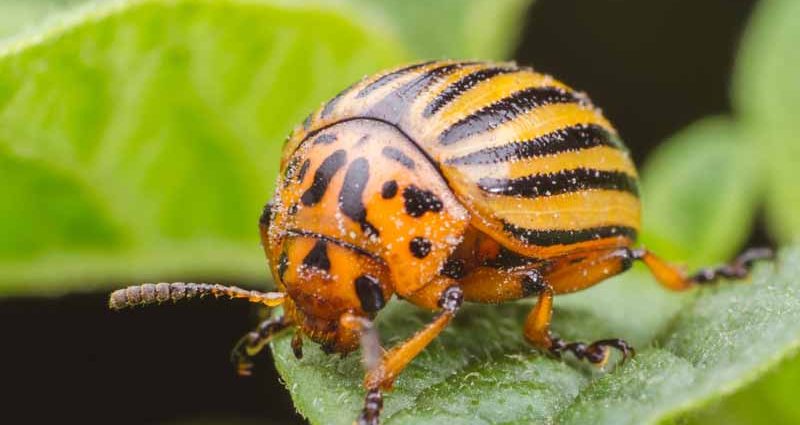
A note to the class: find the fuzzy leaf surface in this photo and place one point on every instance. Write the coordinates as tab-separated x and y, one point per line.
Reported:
693	348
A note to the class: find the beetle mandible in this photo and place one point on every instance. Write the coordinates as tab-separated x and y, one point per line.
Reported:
443	182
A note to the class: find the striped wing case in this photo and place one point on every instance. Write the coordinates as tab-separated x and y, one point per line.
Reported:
535	163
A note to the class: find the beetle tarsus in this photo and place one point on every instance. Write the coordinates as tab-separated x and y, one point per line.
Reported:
373	403
596	353
297	345
239	357
737	269
253	342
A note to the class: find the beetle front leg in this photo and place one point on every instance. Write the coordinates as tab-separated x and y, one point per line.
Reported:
253	342
371	352
383	368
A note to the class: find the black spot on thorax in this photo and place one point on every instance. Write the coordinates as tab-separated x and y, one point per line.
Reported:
389	189
317	258
350	197
397	155
323	176
325	139
419	201
420	247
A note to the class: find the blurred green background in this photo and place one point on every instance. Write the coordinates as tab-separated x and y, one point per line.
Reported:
140	139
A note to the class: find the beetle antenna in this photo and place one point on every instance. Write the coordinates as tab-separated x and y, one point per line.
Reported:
157	293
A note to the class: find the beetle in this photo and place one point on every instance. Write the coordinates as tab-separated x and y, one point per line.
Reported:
442	182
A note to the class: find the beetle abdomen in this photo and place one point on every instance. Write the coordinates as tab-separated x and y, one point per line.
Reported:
537	165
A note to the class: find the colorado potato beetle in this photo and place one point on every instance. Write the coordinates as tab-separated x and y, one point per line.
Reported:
443	182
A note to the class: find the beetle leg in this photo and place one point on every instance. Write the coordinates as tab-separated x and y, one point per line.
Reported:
537	332
297	345
674	278
396	359
576	272
537	324
383	368
253	342
595	353
490	285
569	274
371	352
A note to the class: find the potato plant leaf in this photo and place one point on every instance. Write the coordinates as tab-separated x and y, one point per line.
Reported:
767	94
700	193
21	15
448	29
693	348
770	400
143	137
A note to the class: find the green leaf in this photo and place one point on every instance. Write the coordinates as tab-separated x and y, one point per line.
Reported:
18	15
767	93
770	400
693	348
165	120
700	192
66	214
448	29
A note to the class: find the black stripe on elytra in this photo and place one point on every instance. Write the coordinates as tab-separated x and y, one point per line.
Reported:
508	259
565	181
369	292
325	139
334	241
419	201
504	110
456	89
331	105
562	140
352	192
388	78
391	106
566	237
398	155
317	258
323	176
